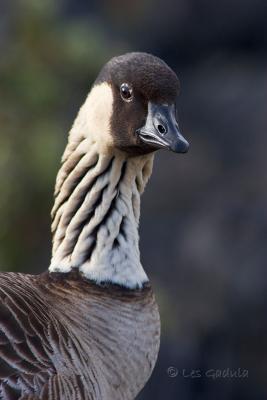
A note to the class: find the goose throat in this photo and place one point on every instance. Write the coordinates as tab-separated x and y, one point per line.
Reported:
96	213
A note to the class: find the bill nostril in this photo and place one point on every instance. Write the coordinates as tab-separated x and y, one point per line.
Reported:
161	128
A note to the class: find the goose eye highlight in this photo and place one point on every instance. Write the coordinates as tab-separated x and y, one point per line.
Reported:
126	92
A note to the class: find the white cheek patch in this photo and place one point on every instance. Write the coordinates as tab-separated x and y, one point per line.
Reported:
94	118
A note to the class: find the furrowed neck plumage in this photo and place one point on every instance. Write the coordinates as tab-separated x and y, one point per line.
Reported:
97	201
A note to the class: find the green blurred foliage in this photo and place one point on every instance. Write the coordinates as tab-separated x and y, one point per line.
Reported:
42	75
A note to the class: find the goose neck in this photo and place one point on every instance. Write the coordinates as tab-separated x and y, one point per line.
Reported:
96	214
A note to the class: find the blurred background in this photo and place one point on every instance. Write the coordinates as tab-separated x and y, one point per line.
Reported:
204	215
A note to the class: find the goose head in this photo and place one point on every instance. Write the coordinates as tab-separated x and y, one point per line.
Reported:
133	103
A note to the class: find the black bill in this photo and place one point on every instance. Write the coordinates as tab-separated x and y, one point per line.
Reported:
161	129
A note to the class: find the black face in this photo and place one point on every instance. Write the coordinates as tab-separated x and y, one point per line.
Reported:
145	91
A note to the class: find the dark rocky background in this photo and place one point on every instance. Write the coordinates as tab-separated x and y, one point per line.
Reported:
204	215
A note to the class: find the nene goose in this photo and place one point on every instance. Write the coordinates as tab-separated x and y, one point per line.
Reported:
89	327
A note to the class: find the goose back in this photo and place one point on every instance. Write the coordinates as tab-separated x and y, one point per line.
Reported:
72	339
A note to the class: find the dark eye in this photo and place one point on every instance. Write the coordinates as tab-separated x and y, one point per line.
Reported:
126	92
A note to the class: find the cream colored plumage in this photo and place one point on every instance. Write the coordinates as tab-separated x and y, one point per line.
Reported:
93	176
